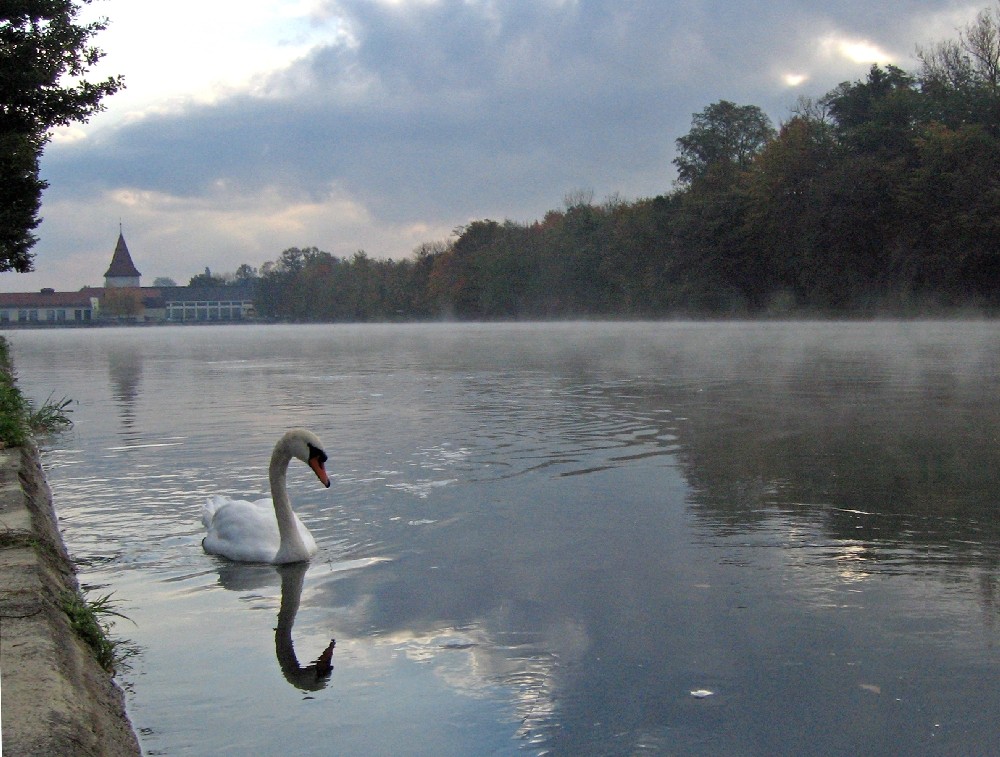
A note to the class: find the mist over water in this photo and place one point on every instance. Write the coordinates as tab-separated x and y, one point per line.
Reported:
542	538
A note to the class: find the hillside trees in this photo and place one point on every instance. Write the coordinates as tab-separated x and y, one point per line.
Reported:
45	53
881	195
312	285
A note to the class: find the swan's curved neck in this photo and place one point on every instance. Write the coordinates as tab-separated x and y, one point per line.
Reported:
287	528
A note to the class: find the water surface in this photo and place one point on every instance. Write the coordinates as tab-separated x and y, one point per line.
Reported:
541	539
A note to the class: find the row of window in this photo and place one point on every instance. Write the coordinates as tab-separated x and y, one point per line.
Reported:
31	315
204	311
176	311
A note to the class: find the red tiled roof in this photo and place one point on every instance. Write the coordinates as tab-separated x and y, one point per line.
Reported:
48	299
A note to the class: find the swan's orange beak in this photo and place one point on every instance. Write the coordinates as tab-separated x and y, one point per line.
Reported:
320	471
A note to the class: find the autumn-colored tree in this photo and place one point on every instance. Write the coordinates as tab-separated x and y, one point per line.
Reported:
122	302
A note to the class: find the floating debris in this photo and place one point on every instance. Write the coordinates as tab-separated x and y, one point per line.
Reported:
702	693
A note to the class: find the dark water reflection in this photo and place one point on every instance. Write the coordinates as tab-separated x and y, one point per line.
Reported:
543	538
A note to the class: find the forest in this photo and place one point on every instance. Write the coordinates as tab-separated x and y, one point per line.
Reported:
880	197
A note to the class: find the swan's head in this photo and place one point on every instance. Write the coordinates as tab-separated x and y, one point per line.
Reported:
307	447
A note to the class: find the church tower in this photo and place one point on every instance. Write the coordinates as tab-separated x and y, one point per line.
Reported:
122	271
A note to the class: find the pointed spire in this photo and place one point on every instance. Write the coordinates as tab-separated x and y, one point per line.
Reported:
122	266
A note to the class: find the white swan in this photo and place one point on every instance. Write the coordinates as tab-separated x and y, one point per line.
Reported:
253	531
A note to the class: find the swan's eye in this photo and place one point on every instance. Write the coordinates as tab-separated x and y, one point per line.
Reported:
315	452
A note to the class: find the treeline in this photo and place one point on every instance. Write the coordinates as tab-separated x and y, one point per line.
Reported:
883	195
312	285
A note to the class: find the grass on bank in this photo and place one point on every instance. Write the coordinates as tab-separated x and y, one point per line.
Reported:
19	419
89	619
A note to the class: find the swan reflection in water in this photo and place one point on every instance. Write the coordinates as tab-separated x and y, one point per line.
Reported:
316	675
312	677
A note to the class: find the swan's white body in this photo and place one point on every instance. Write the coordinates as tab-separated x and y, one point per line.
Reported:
248	532
266	530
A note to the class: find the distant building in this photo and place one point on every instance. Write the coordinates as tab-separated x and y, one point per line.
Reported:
49	306
225	303
125	300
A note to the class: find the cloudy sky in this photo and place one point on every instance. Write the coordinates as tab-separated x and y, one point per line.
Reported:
251	126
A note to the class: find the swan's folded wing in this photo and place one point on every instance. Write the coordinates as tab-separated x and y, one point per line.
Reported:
241	530
210	506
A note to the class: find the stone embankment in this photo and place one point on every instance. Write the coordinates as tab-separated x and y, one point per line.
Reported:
55	699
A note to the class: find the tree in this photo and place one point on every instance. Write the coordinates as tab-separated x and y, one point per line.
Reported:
725	136
125	302
785	219
953	202
713	165
20	199
45	52
454	279
962	77
878	115
164	281
207	279
972	59
245	274
581	246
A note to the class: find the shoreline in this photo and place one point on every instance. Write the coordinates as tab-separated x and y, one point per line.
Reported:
56	698
944	315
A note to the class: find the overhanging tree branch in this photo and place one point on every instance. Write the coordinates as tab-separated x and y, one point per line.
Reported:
44	54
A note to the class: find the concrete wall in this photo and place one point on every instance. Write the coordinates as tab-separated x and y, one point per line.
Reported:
56	698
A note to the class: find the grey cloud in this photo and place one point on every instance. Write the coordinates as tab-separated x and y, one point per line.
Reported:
457	108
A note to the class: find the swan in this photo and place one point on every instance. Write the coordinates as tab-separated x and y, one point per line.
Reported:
250	531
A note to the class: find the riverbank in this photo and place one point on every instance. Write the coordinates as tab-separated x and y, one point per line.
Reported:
55	698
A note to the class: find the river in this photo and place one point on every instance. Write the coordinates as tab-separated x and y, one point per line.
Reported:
565	539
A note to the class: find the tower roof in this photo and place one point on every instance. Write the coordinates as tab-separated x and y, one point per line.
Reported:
121	262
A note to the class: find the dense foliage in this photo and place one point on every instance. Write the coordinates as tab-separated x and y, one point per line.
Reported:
313	285
44	54
881	196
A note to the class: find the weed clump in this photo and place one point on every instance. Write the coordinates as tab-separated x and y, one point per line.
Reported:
19	419
89	620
